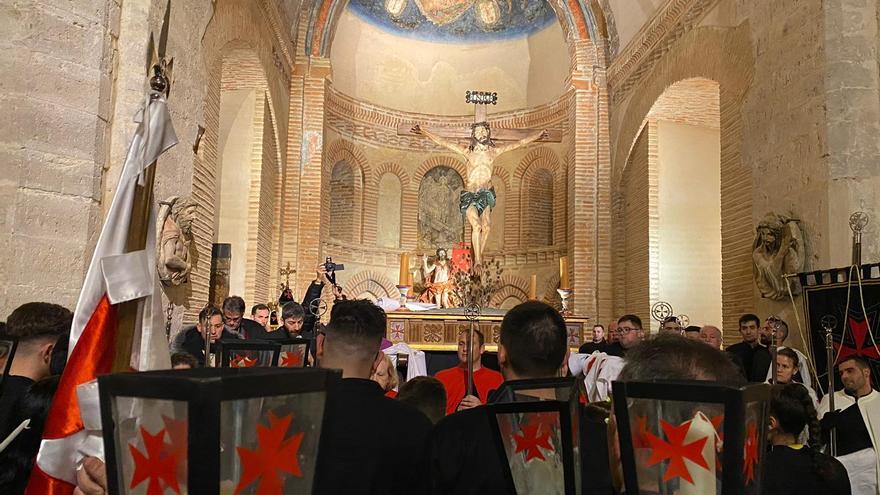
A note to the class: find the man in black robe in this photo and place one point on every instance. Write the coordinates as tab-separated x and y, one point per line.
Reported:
462	455
753	357
370	444
37	326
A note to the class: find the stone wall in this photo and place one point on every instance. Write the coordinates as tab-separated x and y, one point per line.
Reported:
58	105
798	100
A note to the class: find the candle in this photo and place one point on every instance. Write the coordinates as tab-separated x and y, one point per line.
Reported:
404	268
563	273
409	278
533	288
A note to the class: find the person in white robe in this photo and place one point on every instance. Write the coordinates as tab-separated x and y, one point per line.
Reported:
861	462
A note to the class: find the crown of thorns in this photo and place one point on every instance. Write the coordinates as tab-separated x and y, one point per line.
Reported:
480	124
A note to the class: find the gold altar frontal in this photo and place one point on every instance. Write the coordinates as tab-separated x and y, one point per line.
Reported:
437	330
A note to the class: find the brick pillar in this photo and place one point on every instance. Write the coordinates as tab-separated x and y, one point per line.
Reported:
311	179
589	186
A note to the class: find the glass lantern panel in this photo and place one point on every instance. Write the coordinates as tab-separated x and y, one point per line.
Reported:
270	444
533	444
677	446
151	445
240	358
753	451
292	356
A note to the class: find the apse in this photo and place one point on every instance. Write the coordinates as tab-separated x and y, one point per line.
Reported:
396	55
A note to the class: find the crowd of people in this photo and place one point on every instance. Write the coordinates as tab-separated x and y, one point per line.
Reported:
431	434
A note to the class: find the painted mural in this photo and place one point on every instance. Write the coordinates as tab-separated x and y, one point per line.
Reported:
456	21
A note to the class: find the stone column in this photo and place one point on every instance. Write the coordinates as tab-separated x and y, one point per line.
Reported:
852	103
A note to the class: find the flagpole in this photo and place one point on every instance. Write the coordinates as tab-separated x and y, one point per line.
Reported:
136	240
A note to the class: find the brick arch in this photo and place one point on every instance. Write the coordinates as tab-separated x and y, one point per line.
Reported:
726	56
372	282
340	150
235	24
439	161
502	174
371	204
541	159
390	168
511	286
579	21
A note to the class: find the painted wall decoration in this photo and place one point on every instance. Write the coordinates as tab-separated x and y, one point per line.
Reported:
440	221
457	21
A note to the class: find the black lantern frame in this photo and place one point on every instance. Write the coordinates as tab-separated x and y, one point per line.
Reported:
565	424
228	349
734	400
203	390
8	345
287	345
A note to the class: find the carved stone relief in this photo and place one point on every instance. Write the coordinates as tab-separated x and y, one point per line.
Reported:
778	250
174	236
440	220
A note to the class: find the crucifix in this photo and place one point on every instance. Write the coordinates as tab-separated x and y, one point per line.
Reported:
478	198
286	272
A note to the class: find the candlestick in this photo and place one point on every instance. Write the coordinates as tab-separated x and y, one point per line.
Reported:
533	287
563	273
404	269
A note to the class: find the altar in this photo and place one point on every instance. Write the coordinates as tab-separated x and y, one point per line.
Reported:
438	329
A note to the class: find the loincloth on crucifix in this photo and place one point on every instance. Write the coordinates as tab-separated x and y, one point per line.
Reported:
481	200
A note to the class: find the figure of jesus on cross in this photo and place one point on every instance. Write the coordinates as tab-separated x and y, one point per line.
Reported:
478	198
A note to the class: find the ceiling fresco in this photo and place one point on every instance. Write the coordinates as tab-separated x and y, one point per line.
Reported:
456	21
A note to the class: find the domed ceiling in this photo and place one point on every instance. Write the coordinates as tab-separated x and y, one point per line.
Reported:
456	21
422	55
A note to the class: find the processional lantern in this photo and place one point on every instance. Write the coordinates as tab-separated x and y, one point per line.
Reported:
211	430
248	354
691	437
286	353
536	427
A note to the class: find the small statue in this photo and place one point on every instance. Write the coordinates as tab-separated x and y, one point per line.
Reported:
778	250
438	280
174	234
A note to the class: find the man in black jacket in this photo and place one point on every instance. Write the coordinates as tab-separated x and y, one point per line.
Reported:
210	322
752	357
462	457
370	444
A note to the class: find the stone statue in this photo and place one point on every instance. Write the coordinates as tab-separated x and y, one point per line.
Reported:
778	250
174	236
478	198
438	281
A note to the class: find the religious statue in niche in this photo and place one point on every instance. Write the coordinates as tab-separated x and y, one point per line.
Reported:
440	222
438	281
478	198
778	250
174	235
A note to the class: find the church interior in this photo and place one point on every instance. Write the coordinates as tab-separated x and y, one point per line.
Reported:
681	125
698	160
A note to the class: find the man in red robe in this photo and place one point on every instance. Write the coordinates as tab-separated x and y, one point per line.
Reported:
454	380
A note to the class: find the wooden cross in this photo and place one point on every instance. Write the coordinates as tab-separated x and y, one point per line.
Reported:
481	100
287	272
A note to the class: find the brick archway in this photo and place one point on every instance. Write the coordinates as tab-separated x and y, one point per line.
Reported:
726	57
371	207
371	282
450	161
345	151
511	287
